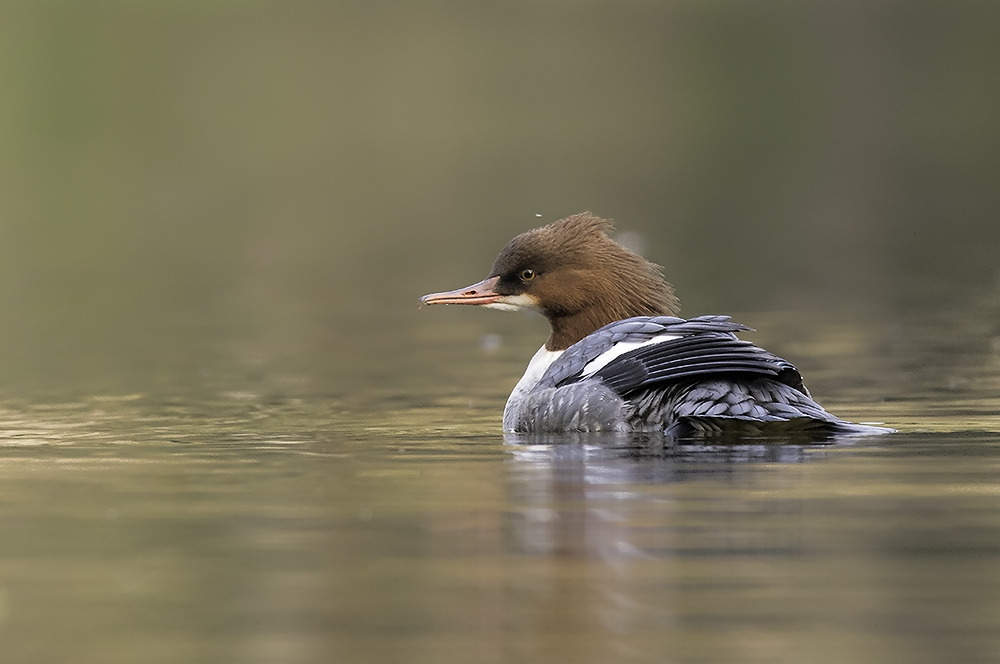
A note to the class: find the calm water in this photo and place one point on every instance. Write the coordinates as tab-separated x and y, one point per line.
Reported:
228	435
261	508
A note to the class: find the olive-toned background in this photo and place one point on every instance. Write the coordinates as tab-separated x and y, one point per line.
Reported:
300	169
227	434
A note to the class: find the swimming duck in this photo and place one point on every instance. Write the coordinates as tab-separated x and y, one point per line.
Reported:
618	358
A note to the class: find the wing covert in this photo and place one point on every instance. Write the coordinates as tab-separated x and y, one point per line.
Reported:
568	367
704	354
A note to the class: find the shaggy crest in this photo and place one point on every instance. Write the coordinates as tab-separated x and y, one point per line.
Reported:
586	279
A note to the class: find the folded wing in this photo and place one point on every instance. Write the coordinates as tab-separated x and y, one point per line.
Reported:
698	353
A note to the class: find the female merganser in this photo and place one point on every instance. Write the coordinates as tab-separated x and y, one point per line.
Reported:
619	359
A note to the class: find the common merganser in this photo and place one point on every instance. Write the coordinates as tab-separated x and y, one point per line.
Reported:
619	359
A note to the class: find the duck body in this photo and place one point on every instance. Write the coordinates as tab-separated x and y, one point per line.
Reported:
666	374
618	359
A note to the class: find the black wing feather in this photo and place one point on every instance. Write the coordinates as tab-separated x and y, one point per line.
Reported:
704	354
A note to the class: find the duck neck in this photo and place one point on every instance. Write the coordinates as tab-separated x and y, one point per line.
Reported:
564	331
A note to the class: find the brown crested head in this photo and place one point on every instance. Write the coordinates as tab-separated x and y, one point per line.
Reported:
579	278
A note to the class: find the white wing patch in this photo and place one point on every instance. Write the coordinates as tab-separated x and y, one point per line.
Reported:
620	349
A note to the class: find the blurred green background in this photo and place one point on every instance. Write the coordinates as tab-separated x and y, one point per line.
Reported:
293	175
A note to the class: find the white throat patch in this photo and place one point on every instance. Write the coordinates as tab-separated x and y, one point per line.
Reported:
514	303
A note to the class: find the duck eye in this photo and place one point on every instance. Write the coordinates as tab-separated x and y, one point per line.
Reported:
527	275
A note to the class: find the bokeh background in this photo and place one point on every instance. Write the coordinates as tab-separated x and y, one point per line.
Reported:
227	433
291	176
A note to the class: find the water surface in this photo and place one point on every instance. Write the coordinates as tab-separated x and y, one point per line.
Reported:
254	507
227	434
